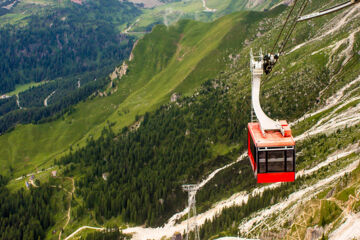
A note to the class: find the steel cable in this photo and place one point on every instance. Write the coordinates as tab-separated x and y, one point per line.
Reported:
293	25
282	29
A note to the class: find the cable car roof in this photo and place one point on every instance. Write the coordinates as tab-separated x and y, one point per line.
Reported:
271	138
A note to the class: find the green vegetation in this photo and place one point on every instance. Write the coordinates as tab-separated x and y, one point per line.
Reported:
311	121
171	146
34	146
64	93
111	233
192	50
28	214
178	60
328	212
64	42
149	147
236	178
344	195
23	87
322	145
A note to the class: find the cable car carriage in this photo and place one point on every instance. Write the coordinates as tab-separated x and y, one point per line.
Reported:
271	147
272	156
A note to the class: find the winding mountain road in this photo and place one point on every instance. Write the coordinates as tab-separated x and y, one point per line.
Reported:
47	98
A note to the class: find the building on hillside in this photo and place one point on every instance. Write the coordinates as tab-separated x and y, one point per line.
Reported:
53	173
105	176
174	97
176	236
4	96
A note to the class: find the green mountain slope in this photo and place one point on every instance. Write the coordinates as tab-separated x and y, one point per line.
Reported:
175	59
53	42
202	131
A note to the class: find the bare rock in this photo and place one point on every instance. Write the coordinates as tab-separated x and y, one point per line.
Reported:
330	193
314	233
269	235
119	72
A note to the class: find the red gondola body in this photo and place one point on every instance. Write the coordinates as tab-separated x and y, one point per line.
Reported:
272	156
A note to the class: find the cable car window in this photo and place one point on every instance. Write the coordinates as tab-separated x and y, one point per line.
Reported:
290	161
276	161
262	162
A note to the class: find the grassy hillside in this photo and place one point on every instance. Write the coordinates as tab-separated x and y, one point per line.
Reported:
175	59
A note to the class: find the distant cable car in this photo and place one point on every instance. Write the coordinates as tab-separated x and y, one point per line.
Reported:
271	147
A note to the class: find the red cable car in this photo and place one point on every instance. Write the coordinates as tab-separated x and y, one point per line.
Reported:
271	147
272	156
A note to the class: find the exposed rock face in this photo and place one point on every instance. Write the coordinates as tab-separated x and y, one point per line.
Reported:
119	72
314	233
267	235
284	2
147	3
254	3
330	193
77	1
287	2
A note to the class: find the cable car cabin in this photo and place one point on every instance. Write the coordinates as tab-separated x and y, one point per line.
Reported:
272	156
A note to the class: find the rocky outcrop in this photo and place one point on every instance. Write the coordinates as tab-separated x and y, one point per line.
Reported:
314	233
119	72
